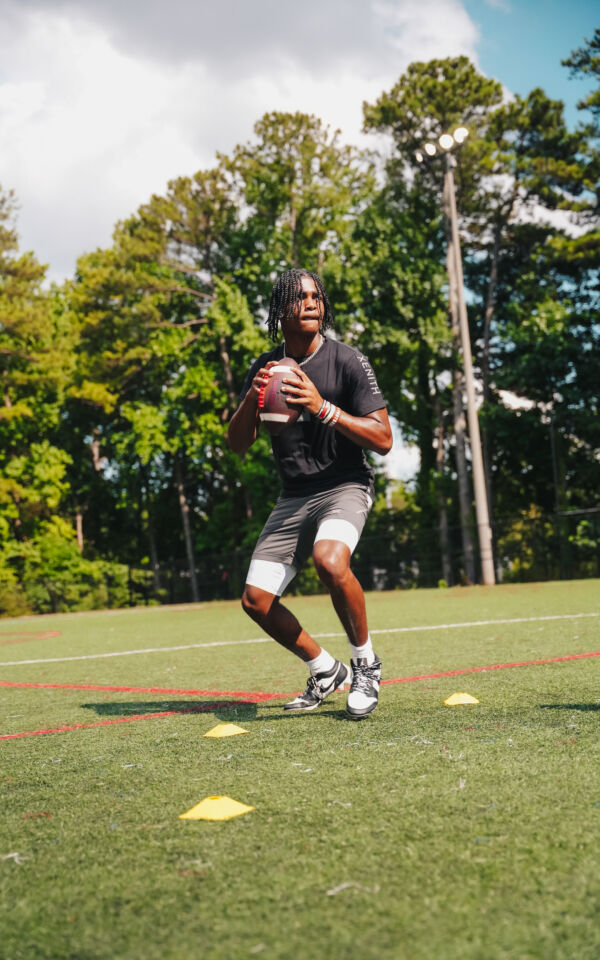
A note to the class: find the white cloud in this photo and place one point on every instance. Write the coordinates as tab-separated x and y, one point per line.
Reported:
102	103
426	30
234	36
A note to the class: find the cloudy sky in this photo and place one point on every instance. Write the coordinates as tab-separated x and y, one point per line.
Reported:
103	101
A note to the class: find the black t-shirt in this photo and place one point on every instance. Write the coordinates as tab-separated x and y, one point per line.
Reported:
311	456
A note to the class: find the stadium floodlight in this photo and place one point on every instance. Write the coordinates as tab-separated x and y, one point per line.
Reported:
430	149
419	156
446	141
461	134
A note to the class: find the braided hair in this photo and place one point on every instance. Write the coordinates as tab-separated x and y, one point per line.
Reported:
285	299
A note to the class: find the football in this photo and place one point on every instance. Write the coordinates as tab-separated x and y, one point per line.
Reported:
273	409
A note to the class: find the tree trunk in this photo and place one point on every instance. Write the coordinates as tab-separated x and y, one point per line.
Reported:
489	314
293	227
97	460
187	533
460	447
79	529
425	429
148	525
153	554
441	497
228	373
152	546
488	319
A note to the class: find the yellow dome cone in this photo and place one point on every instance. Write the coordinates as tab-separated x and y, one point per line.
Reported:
225	730
458	698
216	808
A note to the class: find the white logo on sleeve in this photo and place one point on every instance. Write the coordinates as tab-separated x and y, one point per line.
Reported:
368	370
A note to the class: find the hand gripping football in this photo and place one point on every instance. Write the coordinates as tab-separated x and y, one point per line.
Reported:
273	409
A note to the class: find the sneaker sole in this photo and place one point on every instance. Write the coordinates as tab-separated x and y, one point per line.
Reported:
363	714
313	706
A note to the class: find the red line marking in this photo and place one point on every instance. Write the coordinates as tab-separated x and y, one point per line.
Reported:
203	708
25	637
248	697
257	696
494	666
253	696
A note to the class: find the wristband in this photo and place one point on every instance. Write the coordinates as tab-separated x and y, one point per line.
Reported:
325	411
329	414
336	416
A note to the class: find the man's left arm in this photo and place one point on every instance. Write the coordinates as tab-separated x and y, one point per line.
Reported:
372	432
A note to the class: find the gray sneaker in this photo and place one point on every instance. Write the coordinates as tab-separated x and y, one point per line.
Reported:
364	691
319	687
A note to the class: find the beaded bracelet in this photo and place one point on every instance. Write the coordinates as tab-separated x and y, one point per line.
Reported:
329	413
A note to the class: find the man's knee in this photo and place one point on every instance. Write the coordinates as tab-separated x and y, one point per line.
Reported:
332	561
257	603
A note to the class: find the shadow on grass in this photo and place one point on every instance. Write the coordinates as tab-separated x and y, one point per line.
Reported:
569	706
230	710
241	709
339	714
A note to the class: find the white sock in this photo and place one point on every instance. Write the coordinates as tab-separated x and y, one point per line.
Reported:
321	664
363	652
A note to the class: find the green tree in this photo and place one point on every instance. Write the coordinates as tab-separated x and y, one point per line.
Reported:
584	63
518	168
428	100
301	189
390	299
540	304
533	173
164	341
37	337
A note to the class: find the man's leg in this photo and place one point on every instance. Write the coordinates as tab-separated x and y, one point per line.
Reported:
332	563
340	517
280	623
326	673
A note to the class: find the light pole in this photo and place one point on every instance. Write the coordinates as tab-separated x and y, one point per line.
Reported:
447	141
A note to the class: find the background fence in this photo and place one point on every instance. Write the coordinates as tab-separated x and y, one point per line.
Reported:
562	546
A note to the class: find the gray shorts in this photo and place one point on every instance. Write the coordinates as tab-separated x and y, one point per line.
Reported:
297	523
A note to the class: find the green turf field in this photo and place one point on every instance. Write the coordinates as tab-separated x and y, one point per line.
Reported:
425	831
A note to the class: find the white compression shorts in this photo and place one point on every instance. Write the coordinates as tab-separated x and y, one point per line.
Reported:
297	523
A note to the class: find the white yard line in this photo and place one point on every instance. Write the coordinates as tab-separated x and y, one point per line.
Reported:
318	636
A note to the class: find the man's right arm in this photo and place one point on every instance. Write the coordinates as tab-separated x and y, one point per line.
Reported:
243	426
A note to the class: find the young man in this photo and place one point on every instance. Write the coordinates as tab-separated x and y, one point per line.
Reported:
327	487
